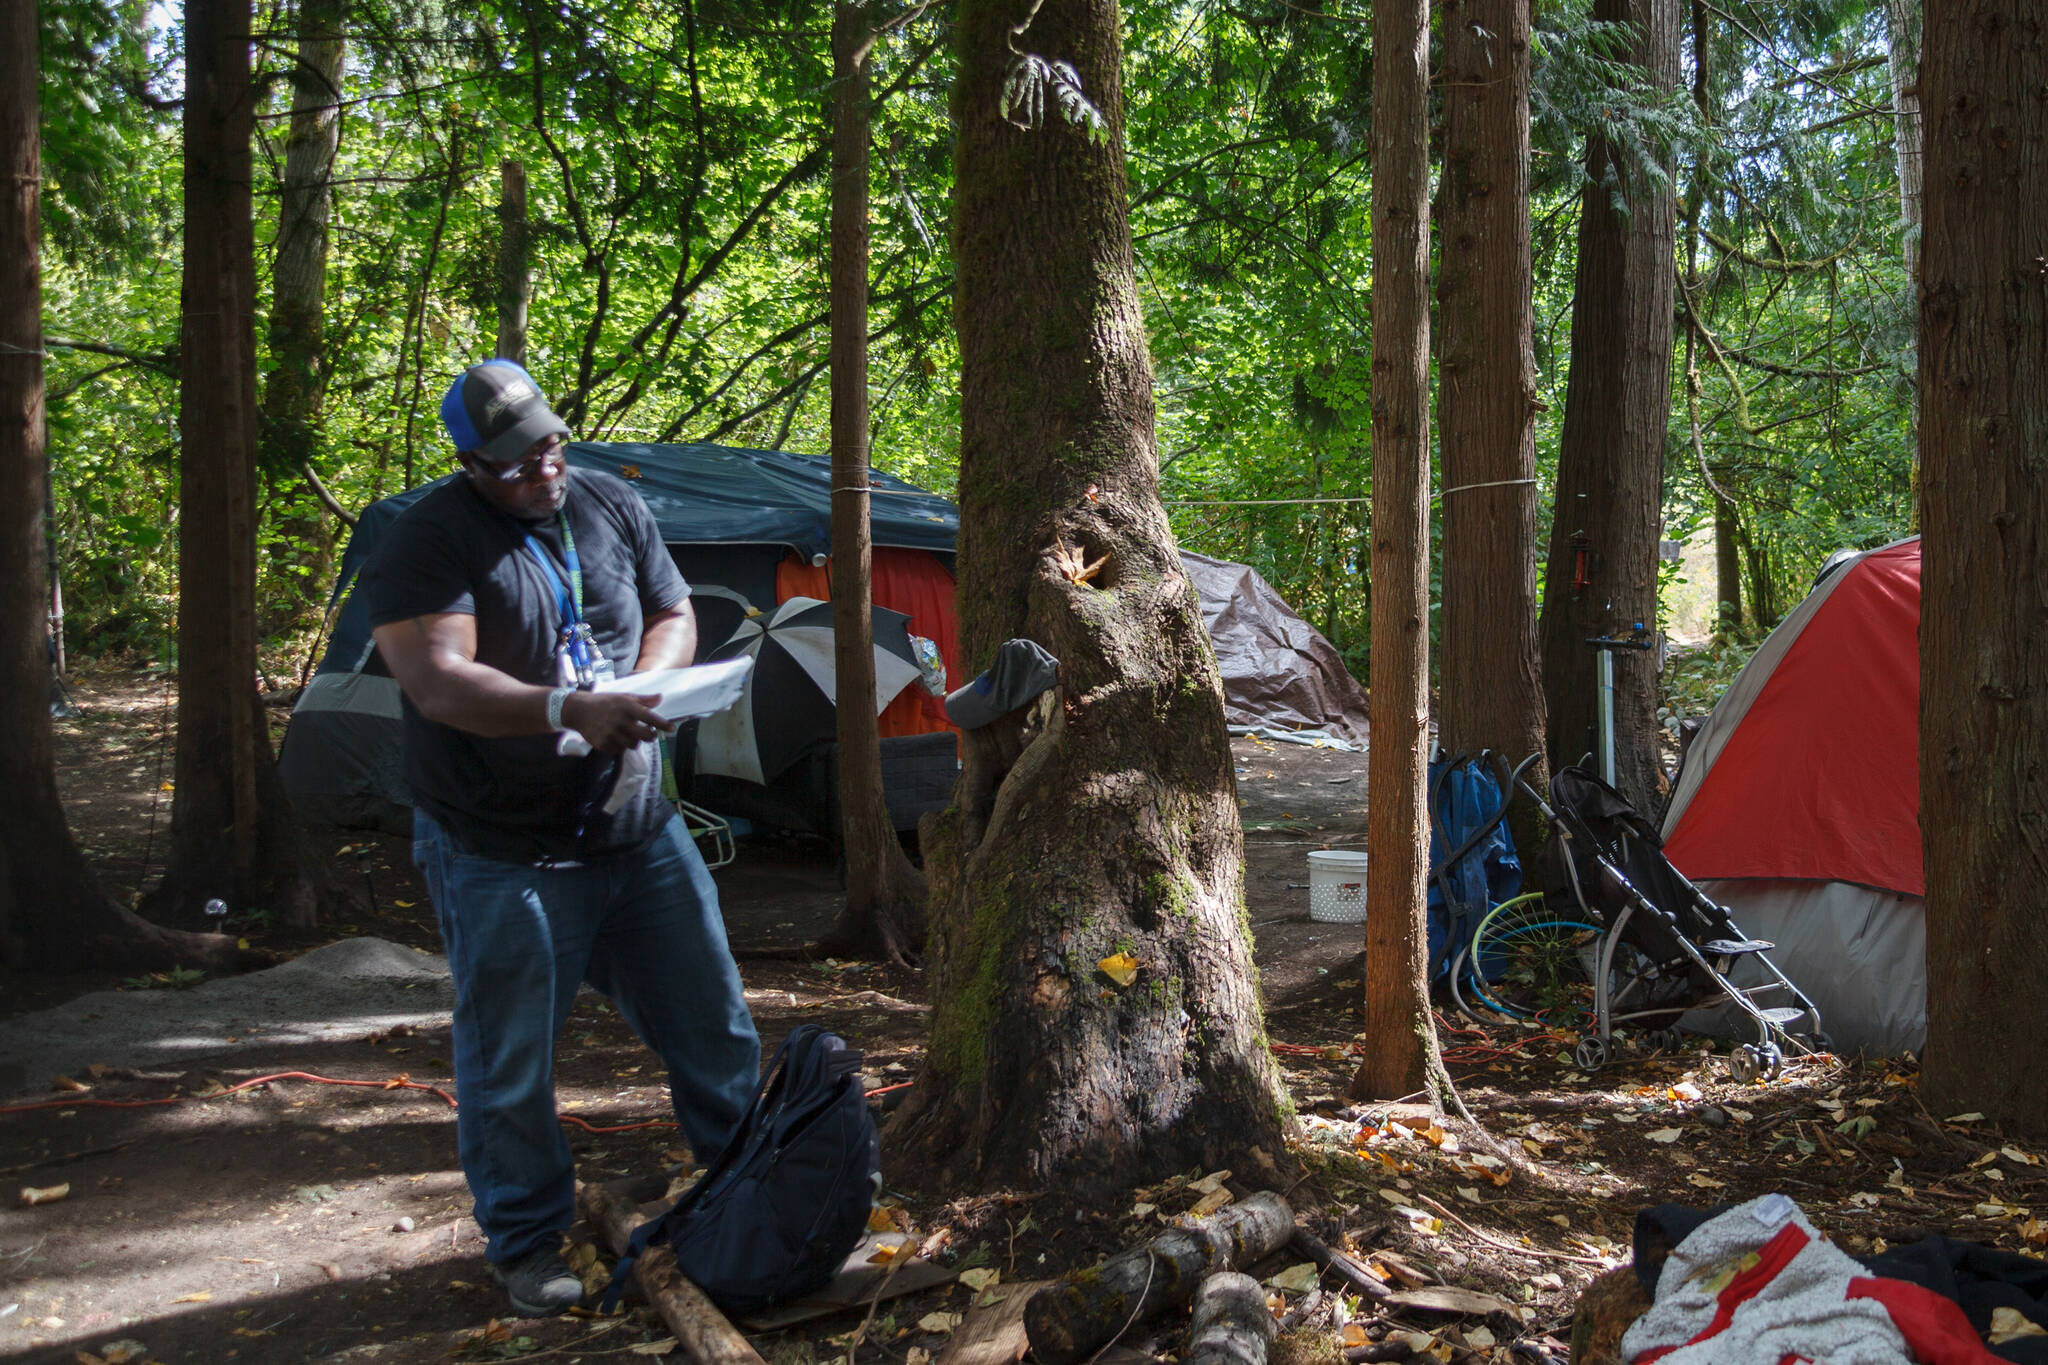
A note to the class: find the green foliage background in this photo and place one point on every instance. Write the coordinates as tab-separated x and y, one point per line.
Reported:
676	158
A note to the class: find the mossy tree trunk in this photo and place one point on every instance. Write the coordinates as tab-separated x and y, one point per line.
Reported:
295	390
1115	829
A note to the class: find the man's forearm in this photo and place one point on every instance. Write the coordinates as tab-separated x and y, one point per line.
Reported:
669	640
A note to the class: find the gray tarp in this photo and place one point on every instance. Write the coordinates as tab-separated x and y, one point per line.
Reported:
1858	953
1278	670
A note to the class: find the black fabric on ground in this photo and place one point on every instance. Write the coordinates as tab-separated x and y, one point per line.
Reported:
1981	1279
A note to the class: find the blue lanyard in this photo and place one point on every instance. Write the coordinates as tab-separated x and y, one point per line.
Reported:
568	599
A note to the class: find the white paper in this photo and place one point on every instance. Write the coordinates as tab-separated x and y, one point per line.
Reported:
699	690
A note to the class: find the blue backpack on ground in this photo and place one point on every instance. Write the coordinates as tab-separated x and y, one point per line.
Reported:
780	1210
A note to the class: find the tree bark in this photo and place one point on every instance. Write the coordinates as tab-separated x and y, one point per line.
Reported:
53	915
515	262
295	389
1984	589
1492	688
1610	468
1400	1032
1077	1317
233	835
884	909
1116	830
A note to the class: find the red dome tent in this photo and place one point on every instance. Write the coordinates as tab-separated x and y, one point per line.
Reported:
1799	805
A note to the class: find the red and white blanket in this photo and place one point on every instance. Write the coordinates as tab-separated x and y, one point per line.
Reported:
1758	1285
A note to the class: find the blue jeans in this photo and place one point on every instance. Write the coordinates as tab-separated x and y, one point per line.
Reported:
645	929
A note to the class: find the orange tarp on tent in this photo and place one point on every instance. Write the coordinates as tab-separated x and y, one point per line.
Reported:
915	583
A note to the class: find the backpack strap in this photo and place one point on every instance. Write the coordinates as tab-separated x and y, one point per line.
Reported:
754	1128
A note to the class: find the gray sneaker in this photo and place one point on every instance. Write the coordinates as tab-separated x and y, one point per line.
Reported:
540	1284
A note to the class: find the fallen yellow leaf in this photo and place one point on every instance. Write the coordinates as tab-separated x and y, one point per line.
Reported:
1121	968
980	1278
2009	1324
198	1296
1354	1335
939	1322
1211	1202
47	1194
879	1220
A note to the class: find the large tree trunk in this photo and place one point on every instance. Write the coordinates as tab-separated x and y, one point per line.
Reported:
1610	468
515	262
233	835
884	910
296	386
1400	1032
1492	688
1116	830
53	917
1984	592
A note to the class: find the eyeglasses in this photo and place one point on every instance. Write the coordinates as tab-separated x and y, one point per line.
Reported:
547	455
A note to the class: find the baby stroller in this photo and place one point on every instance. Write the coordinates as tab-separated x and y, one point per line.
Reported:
1664	947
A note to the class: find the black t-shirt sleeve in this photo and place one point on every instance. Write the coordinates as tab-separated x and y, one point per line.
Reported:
417	571
662	586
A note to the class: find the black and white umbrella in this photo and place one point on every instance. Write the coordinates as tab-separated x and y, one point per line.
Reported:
789	705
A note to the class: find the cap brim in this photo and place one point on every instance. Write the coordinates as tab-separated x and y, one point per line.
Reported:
515	441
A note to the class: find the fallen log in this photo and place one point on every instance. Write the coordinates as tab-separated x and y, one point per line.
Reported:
1078	1315
1232	1325
704	1332
1339	1264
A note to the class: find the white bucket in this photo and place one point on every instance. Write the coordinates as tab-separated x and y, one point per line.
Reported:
1336	886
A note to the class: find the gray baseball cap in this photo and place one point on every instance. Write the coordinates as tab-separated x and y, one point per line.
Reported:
496	410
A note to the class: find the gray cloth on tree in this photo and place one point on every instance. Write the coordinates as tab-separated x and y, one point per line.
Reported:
1021	671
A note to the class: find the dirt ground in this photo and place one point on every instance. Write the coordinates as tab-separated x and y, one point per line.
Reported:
296	1221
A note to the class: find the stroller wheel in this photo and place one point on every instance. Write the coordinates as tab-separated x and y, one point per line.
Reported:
1773	1061
1662	1040
1744	1064
1820	1042
1591	1054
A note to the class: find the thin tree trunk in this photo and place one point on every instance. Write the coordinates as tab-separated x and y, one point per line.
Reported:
296	386
884	909
233	835
1903	18
1727	562
53	916
1400	1033
1492	687
515	262
1984	591
1610	469
1112	834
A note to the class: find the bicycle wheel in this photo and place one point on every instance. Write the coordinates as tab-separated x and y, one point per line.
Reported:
1524	958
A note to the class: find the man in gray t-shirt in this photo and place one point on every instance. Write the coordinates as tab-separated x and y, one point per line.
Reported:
497	601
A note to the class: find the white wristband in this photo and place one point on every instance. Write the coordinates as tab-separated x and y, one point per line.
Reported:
555	700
